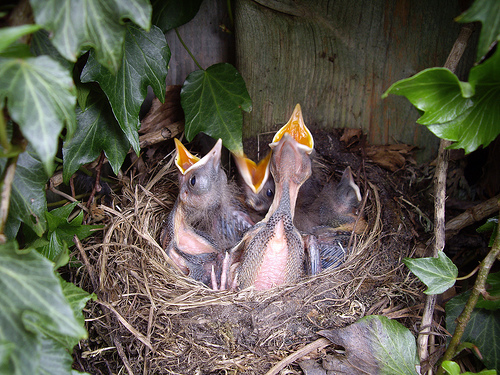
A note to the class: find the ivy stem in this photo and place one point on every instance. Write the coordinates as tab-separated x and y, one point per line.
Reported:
439	209
230	13
187	49
479	287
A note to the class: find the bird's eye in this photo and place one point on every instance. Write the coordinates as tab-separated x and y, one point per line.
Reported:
269	193
192	180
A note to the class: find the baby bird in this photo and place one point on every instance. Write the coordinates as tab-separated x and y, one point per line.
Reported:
205	220
273	250
257	185
326	220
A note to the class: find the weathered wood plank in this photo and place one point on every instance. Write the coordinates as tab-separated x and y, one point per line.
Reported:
336	58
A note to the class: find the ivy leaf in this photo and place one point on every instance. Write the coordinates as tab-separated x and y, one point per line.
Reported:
169	14
41	98
439	274
212	101
375	345
483	329
28	203
490	226
145	63
79	24
485	11
9	35
32	304
97	130
465	113
493	280
452	368
61	232
54	358
432	90
41	45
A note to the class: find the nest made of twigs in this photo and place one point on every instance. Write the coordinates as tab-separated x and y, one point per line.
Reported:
162	322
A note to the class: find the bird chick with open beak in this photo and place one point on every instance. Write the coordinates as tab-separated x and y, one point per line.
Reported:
257	185
205	220
273	250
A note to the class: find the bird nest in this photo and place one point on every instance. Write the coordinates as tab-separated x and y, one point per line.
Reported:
150	318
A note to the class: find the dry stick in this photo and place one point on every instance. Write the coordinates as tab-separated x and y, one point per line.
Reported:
439	203
315	345
472	215
479	287
6	188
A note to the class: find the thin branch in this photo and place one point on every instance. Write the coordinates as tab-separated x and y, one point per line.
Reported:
6	188
479	287
439	206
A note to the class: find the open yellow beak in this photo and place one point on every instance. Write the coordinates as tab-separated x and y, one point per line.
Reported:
184	159
254	175
297	129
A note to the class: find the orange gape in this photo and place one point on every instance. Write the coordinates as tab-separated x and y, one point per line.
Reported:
297	129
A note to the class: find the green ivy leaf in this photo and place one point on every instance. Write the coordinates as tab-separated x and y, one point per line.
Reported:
490	226
9	35
483	329
212	101
465	113
61	232
452	368
376	345
79	24
169	14
41	98
493	280
97	130
431	90
28	203
145	63
487	12
54	358
439	274
41	45
32	305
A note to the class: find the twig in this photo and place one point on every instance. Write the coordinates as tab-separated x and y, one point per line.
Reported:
6	188
439	207
479	287
85	261
472	215
315	345
97	184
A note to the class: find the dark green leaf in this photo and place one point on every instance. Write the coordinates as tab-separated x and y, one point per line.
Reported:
9	35
97	130
41	99
77	24
17	50
169	14
31	304
375	345
490	226
493	290
439	274
212	100
488	12
41	45
28	203
483	329
145	63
